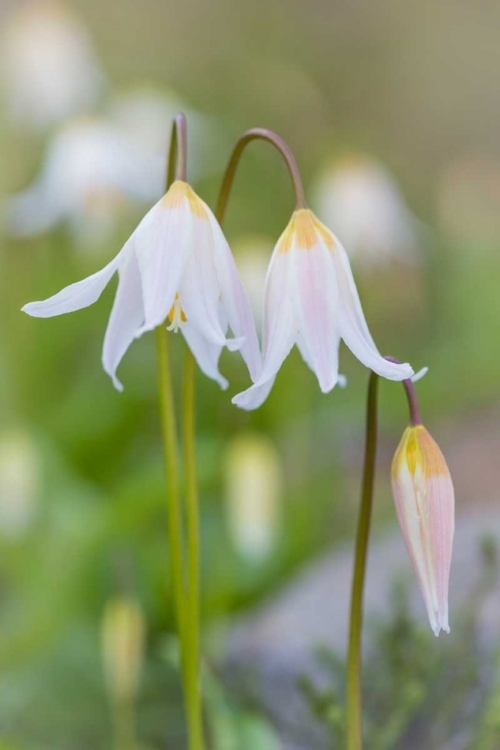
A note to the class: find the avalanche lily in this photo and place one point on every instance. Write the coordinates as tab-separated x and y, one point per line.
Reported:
176	269
425	505
311	300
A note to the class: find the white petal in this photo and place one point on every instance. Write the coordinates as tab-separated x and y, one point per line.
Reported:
353	326
234	299
280	330
206	354
163	241
78	295
199	291
316	304
126	317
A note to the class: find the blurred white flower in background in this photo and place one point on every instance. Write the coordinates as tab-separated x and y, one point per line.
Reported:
252	254
254	489
360	199
95	168
49	68
19	482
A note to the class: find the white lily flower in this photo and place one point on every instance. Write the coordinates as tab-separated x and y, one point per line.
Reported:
311	300
176	265
49	67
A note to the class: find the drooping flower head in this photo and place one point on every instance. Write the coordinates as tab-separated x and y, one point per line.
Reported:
425	505
311	300
176	269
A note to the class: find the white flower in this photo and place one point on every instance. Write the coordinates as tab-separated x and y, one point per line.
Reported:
176	265
360	198
91	172
311	300
49	67
254	487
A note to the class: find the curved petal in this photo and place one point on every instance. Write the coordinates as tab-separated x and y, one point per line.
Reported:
280	330
316	305
126	318
206	354
163	241
200	291
234	299
353	327
80	294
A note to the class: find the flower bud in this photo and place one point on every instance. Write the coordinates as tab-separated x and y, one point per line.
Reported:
425	504
123	633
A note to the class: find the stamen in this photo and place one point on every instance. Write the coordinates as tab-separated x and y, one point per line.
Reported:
176	316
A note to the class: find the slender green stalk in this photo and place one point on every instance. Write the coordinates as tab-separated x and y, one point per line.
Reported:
193	687
353	681
171	458
124	725
354	727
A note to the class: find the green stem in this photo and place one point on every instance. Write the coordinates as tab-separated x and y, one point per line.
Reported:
353	677
171	459
193	687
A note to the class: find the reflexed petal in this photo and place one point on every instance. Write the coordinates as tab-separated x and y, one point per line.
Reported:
353	326
316	304
78	295
234	299
163	242
199	291
206	354
126	318
280	330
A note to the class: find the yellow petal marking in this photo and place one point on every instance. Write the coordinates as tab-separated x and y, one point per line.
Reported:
304	230
179	192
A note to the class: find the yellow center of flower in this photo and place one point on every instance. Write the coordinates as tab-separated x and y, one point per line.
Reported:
304	231
176	316
179	192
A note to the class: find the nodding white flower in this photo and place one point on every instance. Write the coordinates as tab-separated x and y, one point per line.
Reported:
123	637
360	198
92	171
49	66
177	267
254	487
425	504
311	300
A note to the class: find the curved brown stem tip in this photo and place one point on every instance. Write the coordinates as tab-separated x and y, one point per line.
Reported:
411	396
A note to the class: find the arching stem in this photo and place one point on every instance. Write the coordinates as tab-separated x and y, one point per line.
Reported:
264	135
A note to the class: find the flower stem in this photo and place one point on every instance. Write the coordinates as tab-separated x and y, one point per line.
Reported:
354	728
264	135
193	687
171	458
353	676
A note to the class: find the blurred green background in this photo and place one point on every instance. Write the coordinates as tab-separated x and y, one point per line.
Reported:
392	111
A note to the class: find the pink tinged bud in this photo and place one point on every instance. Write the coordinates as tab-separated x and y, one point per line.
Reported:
425	504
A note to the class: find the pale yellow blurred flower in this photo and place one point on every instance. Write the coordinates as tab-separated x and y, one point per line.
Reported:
254	491
123	642
20	479
252	255
49	67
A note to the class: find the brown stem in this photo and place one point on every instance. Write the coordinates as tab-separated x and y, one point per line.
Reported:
264	135
411	395
177	159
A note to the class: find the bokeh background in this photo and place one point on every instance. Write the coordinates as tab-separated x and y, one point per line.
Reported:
392	111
